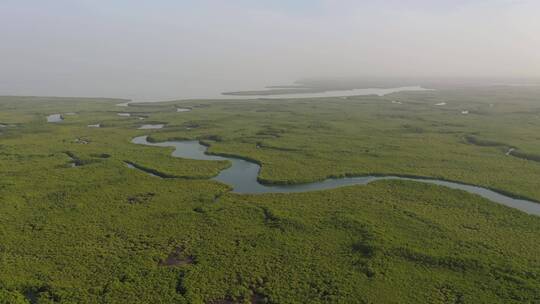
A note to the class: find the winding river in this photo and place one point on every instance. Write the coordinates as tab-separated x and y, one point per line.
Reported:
242	177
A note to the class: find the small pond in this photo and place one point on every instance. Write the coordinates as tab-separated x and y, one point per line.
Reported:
150	127
55	118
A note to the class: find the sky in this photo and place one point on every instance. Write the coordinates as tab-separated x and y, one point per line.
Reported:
166	49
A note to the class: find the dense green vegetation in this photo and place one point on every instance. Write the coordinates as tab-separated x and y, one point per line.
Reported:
100	232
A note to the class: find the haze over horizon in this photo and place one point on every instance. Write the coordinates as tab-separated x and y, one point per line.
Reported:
181	49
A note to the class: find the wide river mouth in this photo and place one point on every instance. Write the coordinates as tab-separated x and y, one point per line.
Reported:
331	93
242	177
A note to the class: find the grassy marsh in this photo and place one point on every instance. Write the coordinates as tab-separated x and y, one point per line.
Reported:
100	232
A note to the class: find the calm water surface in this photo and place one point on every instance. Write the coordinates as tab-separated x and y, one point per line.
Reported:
150	126
55	118
242	177
337	93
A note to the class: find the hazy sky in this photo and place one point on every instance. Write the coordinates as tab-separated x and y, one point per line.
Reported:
174	48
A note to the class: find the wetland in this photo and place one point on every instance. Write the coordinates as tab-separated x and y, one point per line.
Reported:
363	199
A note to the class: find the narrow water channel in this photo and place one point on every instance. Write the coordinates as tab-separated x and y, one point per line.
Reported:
242	177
